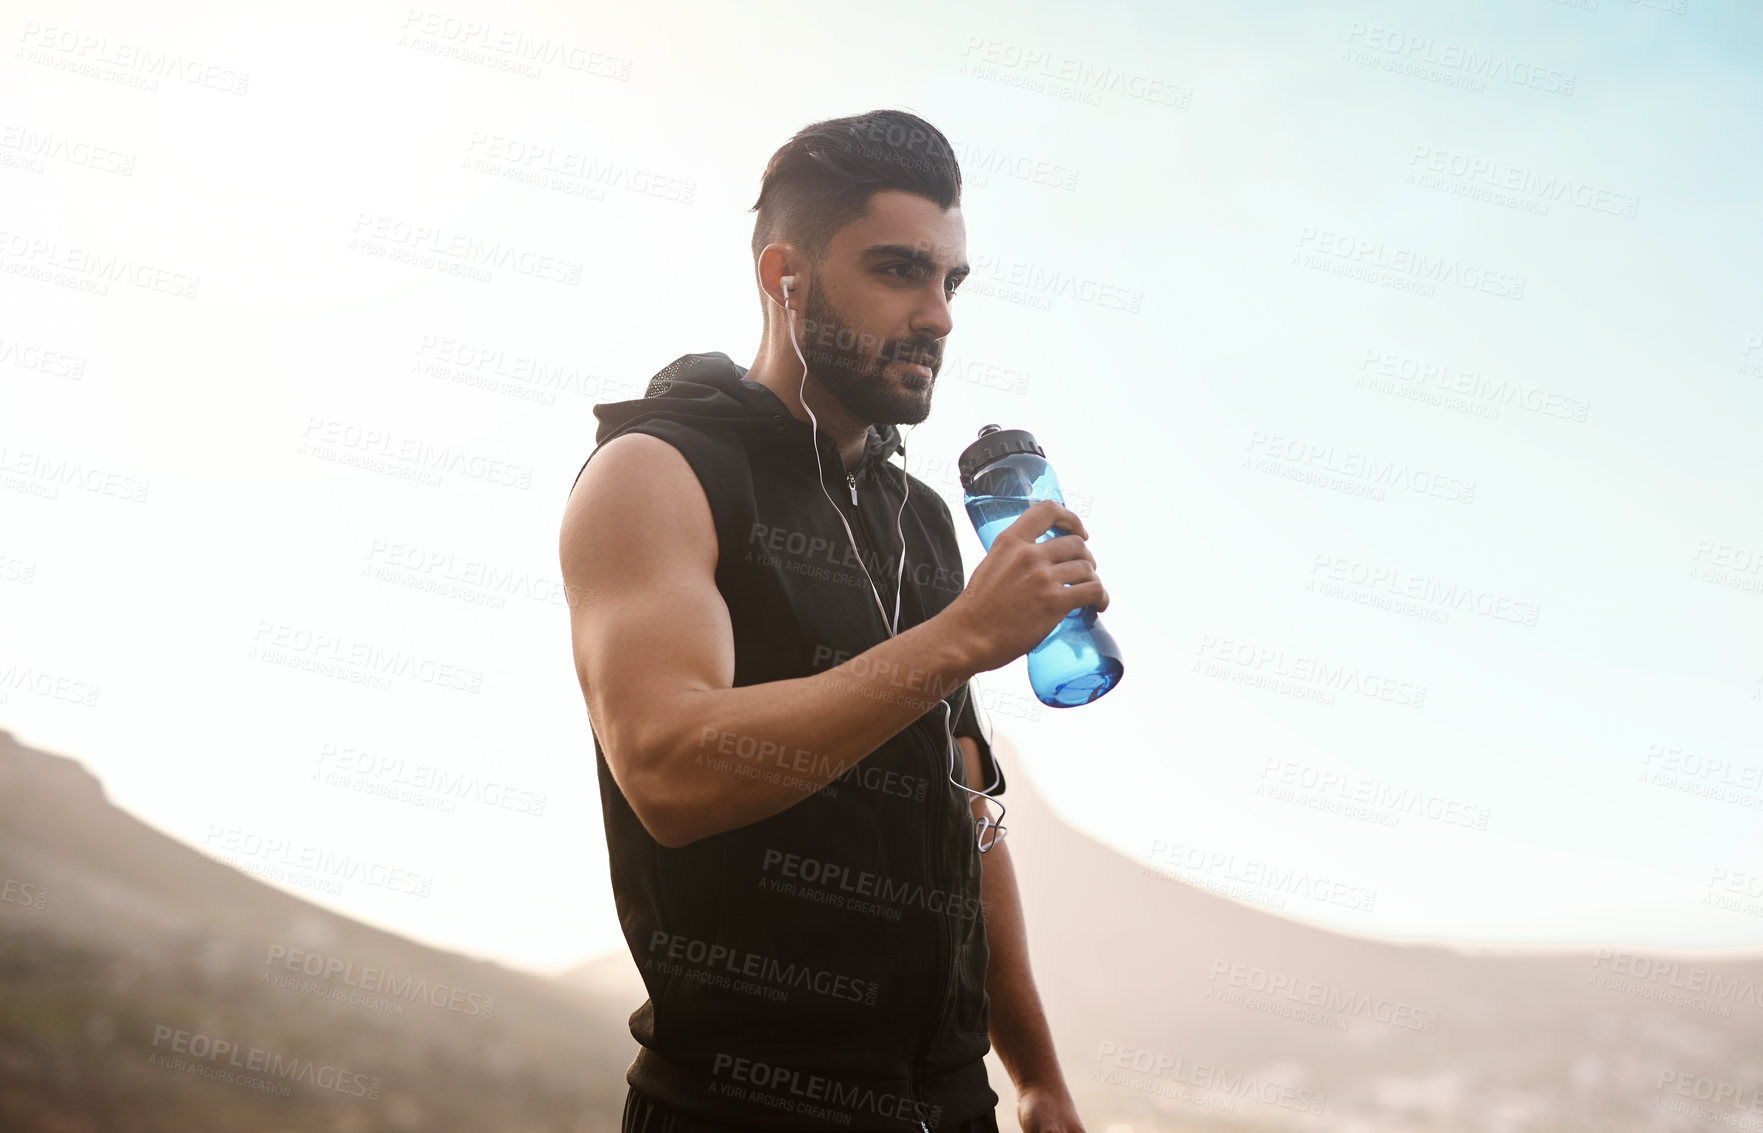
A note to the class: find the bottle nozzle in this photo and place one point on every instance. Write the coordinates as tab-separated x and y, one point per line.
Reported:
984	429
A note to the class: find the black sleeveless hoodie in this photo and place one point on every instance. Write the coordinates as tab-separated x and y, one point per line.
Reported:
823	968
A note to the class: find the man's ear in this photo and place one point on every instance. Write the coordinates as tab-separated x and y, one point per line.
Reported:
784	262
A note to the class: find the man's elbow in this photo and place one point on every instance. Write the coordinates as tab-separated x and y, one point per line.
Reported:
663	811
667	837
650	782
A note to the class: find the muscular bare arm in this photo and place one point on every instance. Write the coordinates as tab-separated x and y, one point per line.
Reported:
654	652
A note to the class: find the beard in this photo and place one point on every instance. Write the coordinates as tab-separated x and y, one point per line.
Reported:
838	358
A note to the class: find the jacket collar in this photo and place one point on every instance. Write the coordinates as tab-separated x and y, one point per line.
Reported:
712	388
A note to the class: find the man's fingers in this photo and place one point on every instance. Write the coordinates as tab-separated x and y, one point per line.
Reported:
1043	514
1070	521
1063	547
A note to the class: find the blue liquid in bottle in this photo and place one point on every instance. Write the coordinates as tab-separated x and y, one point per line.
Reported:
1003	473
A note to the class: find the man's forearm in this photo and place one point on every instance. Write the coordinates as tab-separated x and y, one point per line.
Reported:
1019	1030
804	732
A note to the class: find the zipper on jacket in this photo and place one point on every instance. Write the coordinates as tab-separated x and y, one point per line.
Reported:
865	551
941	1000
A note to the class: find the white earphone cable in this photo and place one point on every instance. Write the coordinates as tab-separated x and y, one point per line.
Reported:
988	823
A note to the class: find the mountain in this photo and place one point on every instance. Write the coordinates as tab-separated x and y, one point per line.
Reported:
145	987
1271	1018
145	957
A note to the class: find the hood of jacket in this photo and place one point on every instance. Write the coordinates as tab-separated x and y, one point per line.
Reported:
711	389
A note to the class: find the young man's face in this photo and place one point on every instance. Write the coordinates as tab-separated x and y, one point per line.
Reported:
882	296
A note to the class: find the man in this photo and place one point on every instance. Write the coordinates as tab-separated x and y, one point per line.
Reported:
798	874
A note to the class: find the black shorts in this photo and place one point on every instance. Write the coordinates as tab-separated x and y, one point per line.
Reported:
643	1114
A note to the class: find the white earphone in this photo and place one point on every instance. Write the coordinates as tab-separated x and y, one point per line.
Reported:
893	627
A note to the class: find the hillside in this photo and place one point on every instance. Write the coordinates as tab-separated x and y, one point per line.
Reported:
144	987
141	938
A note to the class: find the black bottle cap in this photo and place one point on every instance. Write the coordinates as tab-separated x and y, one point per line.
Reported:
993	443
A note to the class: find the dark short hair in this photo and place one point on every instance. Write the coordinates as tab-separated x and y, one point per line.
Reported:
822	179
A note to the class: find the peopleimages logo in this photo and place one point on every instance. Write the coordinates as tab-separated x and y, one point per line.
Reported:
89	269
208	1053
1648	977
54	473
782	1087
1364	254
1325	996
298	862
810	550
93	53
1375	793
394	777
677	954
15	892
1180	1070
1268	876
859	883
381	981
758	752
1470	63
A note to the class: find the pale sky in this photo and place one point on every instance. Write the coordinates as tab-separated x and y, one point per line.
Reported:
1410	358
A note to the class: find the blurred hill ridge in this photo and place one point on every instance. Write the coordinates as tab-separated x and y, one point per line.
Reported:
1172	1008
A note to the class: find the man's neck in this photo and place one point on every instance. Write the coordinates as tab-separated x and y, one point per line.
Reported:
848	433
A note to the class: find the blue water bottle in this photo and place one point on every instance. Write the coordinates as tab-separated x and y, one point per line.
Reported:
1002	473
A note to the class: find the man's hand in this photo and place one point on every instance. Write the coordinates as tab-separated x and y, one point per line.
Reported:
1047	1109
1020	591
